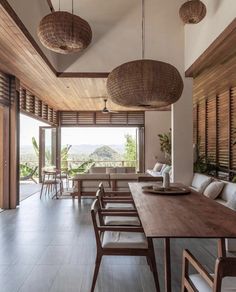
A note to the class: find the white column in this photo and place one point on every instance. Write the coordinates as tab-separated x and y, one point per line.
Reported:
182	136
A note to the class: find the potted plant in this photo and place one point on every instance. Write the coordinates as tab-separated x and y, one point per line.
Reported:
165	143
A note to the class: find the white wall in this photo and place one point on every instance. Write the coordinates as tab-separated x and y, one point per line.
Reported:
30	13
198	37
155	123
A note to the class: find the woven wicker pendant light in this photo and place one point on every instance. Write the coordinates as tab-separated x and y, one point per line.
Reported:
144	83
192	11
64	32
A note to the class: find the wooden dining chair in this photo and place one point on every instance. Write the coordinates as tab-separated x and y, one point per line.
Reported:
110	193
114	200
121	241
115	216
150	179
223	280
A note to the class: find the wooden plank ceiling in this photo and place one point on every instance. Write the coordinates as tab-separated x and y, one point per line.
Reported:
19	57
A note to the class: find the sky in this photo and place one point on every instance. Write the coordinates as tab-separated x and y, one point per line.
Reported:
29	128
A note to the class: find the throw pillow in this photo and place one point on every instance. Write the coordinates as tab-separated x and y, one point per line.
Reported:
167	169
213	190
200	182
157	167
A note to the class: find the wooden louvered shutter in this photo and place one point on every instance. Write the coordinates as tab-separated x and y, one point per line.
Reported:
223	129
4	89
99	119
195	125
233	127
202	127
211	129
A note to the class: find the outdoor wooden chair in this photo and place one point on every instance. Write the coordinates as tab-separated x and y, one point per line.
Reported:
121	241
223	280
113	200
116	216
50	183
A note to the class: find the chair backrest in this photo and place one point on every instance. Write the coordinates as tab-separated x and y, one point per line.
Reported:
49	175
95	216
101	188
99	196
150	178
225	267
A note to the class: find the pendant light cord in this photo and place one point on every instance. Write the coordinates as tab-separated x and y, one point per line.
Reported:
143	29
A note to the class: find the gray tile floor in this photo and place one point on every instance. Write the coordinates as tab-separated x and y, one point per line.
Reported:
49	245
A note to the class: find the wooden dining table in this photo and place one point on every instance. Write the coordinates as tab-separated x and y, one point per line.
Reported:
191	215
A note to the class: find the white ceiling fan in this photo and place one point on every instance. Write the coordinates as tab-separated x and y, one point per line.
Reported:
105	110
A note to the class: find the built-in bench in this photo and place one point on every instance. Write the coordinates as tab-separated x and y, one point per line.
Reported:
222	192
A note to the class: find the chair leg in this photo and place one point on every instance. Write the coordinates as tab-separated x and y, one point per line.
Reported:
96	270
41	191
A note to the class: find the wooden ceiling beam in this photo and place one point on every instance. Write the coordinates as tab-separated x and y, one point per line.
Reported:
223	45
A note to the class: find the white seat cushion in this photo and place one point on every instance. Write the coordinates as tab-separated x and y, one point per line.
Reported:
220	201
124	240
231	204
213	190
228	284
125	206
119	220
154	173
200	182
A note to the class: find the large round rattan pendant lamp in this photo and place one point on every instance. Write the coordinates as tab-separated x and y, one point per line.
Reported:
64	32
192	11
144	83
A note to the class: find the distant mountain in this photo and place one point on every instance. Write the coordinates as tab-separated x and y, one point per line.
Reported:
88	149
105	153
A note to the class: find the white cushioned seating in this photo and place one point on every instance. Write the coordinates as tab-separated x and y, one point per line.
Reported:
200	182
112	206
124	240
228	284
231	204
121	220
153	173
221	201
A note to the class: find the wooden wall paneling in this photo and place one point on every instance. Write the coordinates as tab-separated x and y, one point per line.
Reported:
4	157
14	145
211	128
233	127
202	127
223	129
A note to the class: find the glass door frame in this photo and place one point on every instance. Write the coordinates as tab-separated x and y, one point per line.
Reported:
56	148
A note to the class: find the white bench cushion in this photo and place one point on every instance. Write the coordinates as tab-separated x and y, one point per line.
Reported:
115	220
124	240
228	284
200	182
125	206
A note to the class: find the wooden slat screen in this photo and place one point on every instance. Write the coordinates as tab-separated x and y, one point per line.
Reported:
202	127
195	126
223	129
68	118
214	122
211	128
35	107
4	89
233	127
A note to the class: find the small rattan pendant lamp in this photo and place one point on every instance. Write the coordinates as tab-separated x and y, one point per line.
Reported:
192	11
144	83
64	32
